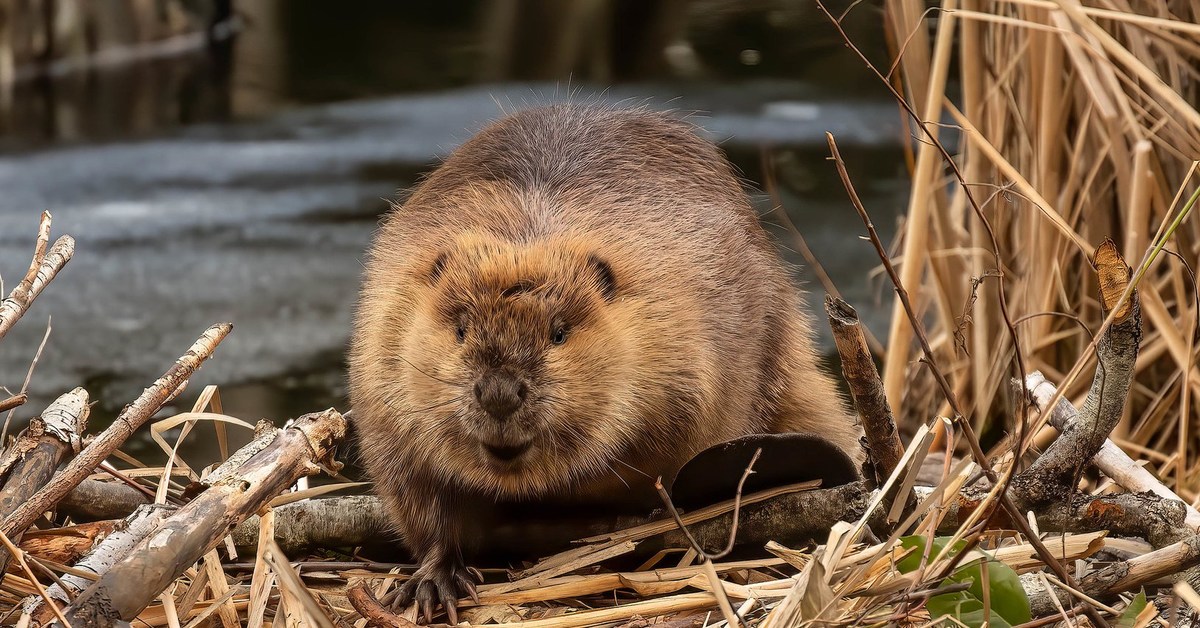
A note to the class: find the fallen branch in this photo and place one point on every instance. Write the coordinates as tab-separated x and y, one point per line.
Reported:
1111	459
32	458
130	419
133	583
1116	352
866	388
42	269
116	546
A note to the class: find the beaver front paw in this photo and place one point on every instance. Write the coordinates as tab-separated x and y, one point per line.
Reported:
443	582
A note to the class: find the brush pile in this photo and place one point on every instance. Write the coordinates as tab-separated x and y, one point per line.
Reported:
1076	123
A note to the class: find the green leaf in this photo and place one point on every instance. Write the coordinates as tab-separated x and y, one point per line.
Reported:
1009	604
909	563
1129	617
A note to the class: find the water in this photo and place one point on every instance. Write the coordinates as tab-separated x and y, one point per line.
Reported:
236	202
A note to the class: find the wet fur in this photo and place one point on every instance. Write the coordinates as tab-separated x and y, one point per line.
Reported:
685	328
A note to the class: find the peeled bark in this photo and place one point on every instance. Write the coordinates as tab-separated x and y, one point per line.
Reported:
133	583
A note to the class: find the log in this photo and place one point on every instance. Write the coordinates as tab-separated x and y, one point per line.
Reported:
180	540
97	500
128	421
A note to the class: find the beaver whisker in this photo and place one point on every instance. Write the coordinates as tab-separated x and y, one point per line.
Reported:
419	370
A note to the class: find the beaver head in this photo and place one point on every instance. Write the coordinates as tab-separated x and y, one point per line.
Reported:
514	371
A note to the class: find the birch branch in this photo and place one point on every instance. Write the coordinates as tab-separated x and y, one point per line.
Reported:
42	269
133	583
130	419
32	458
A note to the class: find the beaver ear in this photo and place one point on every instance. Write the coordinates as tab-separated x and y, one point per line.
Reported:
435	271
604	273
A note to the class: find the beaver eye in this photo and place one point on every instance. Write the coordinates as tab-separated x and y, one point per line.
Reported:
559	335
460	332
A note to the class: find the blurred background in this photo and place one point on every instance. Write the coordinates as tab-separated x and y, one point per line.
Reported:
229	160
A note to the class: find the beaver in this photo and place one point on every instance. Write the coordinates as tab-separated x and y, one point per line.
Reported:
578	300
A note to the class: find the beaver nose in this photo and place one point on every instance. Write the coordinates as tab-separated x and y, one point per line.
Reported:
500	394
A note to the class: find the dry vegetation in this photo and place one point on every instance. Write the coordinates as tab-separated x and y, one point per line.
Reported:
1073	124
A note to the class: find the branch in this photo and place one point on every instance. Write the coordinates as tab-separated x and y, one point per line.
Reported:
1111	459
133	583
42	269
1116	353
130	419
32	458
116	546
866	389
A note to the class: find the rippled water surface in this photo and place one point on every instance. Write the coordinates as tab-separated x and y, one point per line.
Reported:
260	217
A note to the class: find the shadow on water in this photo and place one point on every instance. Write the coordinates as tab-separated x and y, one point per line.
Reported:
242	180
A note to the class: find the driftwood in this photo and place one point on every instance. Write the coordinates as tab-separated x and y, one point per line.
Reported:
31	460
128	421
42	269
177	542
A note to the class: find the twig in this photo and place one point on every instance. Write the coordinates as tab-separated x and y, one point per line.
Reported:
737	502
363	601
41	272
14	401
129	420
20	556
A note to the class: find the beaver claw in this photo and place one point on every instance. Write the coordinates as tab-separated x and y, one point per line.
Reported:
444	583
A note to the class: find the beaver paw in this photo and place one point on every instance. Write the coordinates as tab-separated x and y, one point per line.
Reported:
442	582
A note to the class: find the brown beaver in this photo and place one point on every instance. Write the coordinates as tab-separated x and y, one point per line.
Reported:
578	300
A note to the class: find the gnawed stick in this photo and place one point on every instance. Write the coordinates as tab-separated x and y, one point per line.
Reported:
32	458
126	423
133	583
1111	459
866	388
114	547
42	269
1116	353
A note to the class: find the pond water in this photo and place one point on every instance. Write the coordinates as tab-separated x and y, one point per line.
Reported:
242	182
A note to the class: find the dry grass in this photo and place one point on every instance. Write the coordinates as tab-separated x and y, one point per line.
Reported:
1074	124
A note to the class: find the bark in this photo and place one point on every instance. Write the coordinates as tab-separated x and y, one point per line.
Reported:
130	419
42	270
96	500
866	389
1111	459
133	583
32	458
116	546
1121	576
1057	469
66	546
